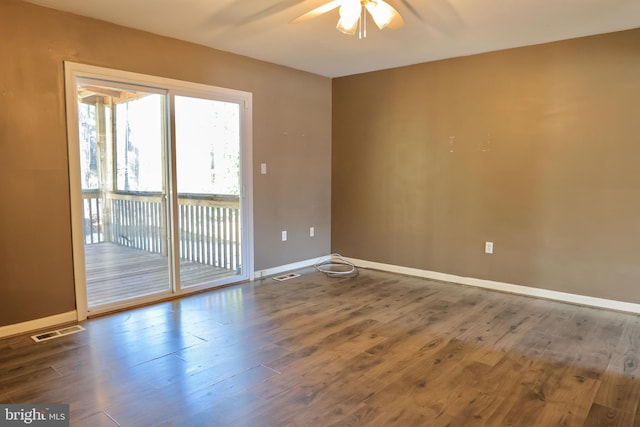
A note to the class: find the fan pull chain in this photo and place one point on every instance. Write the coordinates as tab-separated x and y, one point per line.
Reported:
362	26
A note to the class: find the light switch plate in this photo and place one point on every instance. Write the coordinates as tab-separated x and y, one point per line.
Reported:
488	247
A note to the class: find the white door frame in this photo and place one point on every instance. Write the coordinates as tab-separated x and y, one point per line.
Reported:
74	71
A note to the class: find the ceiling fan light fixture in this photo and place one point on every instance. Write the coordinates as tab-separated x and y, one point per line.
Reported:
349	29
353	15
381	12
349	16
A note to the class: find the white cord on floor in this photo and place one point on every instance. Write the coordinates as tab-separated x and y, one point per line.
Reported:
336	266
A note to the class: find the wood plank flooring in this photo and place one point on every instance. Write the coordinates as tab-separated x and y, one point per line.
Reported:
377	350
117	273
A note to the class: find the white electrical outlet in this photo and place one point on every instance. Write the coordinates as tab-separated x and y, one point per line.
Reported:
312	231
488	247
263	168
284	235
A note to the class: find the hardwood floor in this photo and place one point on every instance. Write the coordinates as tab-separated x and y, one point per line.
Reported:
117	273
377	350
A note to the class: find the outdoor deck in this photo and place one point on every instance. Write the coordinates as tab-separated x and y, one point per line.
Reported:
117	273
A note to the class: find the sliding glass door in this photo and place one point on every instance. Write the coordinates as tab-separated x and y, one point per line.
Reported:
208	183
122	146
159	177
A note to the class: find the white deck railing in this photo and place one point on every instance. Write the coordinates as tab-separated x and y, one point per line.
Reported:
209	225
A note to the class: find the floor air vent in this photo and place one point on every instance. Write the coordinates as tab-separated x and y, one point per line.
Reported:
286	277
57	333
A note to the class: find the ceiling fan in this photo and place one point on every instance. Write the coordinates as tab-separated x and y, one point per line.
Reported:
353	15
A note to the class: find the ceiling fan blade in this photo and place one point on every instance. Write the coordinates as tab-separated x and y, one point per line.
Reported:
280	6
411	9
384	15
318	11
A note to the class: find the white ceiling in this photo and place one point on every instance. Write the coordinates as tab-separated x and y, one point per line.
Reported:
434	29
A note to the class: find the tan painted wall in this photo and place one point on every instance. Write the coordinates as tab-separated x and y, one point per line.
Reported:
544	163
292	131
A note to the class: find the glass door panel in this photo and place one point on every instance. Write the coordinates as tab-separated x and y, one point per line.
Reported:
208	186
122	164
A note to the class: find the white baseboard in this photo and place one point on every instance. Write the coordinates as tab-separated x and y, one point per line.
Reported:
504	287
71	316
33	325
285	268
